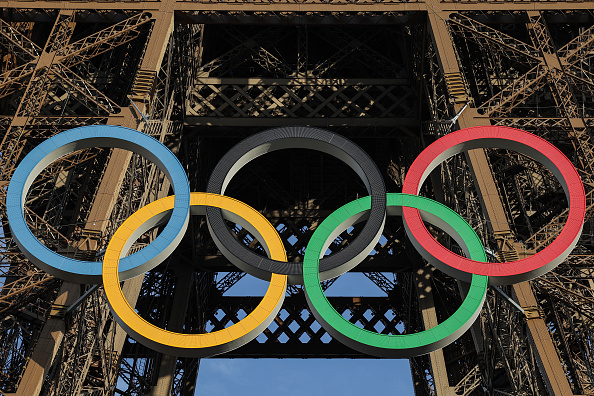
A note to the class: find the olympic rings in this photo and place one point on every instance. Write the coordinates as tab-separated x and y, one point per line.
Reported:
82	138
415	209
513	139
298	137
394	346
193	345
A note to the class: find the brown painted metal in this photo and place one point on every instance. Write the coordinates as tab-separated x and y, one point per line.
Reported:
493	207
539	336
42	81
49	342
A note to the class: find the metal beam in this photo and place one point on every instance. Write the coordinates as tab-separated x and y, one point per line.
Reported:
539	337
183	283
550	364
315	6
48	344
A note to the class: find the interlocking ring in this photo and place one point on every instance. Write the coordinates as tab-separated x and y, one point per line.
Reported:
522	142
394	346
415	210
79	139
194	345
298	137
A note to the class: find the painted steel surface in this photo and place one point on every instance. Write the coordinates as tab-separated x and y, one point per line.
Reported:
291	138
175	210
78	139
384	345
194	345
512	139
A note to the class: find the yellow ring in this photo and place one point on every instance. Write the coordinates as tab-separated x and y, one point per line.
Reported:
194	345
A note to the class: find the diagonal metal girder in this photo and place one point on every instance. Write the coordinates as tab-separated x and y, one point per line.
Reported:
16	42
84	92
11	80
487	37
236	55
579	47
516	93
79	51
103	41
346	43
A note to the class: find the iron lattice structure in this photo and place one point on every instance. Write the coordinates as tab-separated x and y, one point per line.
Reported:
200	76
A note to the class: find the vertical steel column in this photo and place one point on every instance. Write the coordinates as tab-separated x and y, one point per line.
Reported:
120	159
35	92
118	163
545	352
176	321
427	307
48	344
53	330
540	339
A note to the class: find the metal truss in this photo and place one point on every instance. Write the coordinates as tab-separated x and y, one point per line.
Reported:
302	87
221	71
295	333
526	80
45	79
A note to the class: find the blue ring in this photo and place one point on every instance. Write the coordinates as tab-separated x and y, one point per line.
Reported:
86	137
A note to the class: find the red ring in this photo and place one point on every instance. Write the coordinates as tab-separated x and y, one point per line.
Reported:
513	139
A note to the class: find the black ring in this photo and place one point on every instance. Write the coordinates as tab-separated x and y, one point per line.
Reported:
308	138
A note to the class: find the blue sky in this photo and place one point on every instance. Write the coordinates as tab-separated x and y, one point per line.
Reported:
299	377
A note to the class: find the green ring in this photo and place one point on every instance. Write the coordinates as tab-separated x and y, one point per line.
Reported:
394	346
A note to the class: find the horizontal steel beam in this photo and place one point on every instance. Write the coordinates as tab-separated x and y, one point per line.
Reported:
287	121
257	81
319	6
395	263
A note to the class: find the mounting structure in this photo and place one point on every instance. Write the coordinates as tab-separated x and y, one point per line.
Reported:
201	75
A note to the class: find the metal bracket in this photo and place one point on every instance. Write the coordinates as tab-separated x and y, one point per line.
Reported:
144	116
58	311
80	299
509	299
533	313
